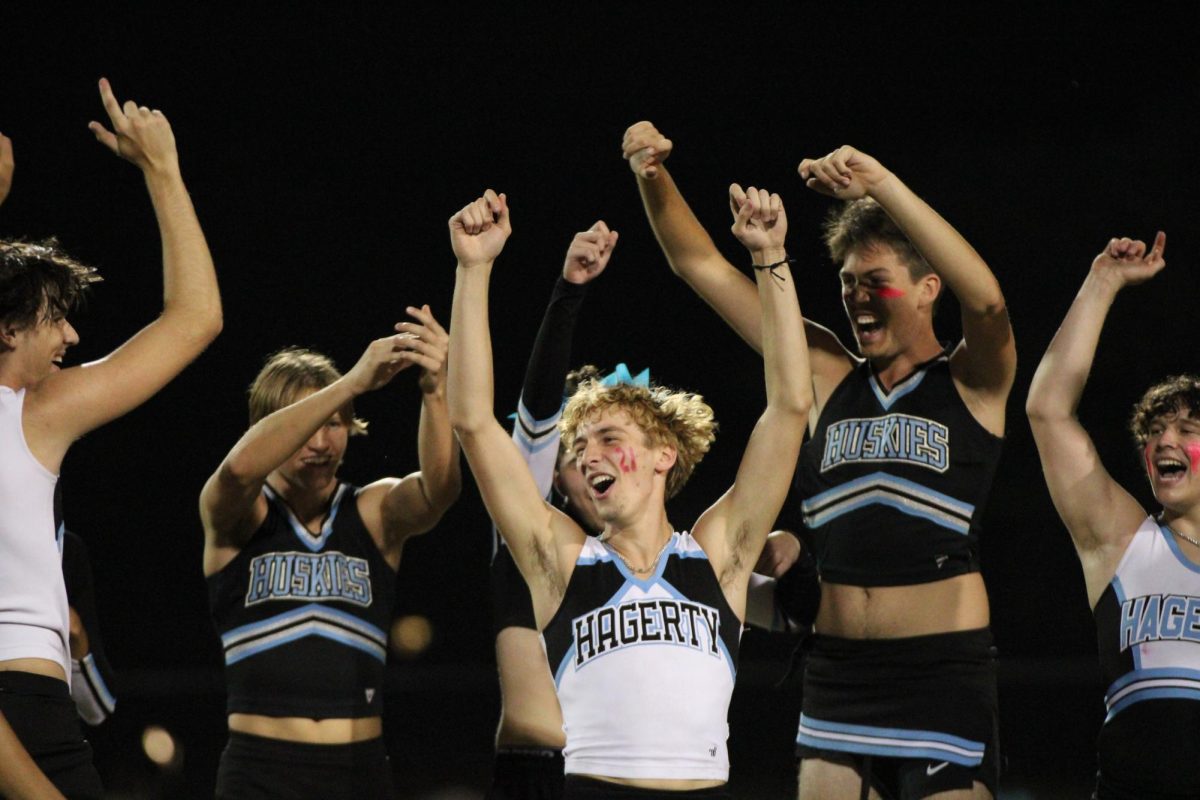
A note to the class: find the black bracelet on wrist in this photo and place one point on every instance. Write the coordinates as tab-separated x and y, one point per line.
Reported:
772	267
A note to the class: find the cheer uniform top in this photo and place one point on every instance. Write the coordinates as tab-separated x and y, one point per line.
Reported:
34	618
303	617
645	667
892	481
1148	625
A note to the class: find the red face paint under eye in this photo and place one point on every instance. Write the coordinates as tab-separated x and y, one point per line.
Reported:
1149	462
628	462
1193	451
890	292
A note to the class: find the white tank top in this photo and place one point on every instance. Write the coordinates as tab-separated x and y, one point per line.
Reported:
1148	623
34	618
645	667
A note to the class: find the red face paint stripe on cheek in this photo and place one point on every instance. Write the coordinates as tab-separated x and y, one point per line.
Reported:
628	462
889	292
1193	451
1149	463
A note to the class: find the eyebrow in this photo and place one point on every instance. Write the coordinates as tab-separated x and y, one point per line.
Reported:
871	273
596	432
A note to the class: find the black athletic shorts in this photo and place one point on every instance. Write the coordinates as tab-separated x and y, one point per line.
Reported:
41	712
527	773
257	768
916	715
581	788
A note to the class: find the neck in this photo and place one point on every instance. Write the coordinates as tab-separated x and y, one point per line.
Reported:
306	501
1187	523
639	542
890	370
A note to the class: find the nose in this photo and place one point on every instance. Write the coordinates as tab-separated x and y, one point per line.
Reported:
70	335
319	441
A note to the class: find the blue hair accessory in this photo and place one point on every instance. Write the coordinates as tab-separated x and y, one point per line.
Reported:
621	375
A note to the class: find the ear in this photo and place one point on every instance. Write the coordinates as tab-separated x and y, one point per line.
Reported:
929	287
8	337
667	456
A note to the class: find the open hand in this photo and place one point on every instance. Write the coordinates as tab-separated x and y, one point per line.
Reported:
426	347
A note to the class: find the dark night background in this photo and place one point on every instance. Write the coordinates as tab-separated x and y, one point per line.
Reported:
326	147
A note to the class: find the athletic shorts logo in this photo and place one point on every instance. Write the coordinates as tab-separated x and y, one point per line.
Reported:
930	769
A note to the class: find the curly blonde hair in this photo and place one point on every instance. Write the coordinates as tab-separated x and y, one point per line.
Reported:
679	419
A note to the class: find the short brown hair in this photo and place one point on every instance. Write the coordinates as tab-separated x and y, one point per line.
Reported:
1163	399
289	373
39	278
862	223
679	419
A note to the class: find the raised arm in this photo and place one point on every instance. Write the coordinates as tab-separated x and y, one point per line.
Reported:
733	531
415	503
231	503
79	400
1100	515
543	541
693	256
985	364
540	407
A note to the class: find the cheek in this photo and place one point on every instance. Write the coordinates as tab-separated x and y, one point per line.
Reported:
1193	451
626	459
1150	464
889	292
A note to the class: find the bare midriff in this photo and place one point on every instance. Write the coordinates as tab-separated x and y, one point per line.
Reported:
655	783
309	731
529	712
37	666
893	612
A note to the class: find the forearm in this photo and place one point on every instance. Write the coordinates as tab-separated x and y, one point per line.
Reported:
951	256
20	778
680	235
437	452
191	298
274	438
470	389
550	359
784	347
1058	383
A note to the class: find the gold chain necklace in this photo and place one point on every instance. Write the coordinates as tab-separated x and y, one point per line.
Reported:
653	564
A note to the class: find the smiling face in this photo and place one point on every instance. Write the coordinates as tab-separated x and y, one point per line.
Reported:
39	348
623	472
888	310
1172	459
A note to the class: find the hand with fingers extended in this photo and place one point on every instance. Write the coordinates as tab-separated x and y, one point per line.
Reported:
589	253
645	149
846	173
427	346
759	221
7	165
380	362
139	135
1125	262
479	230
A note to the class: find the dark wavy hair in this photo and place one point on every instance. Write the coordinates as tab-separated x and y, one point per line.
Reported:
1164	399
39	281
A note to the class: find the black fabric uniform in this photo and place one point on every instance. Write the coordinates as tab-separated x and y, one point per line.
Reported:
533	773
890	485
303	618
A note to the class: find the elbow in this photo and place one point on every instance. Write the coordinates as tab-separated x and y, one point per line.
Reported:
1040	408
